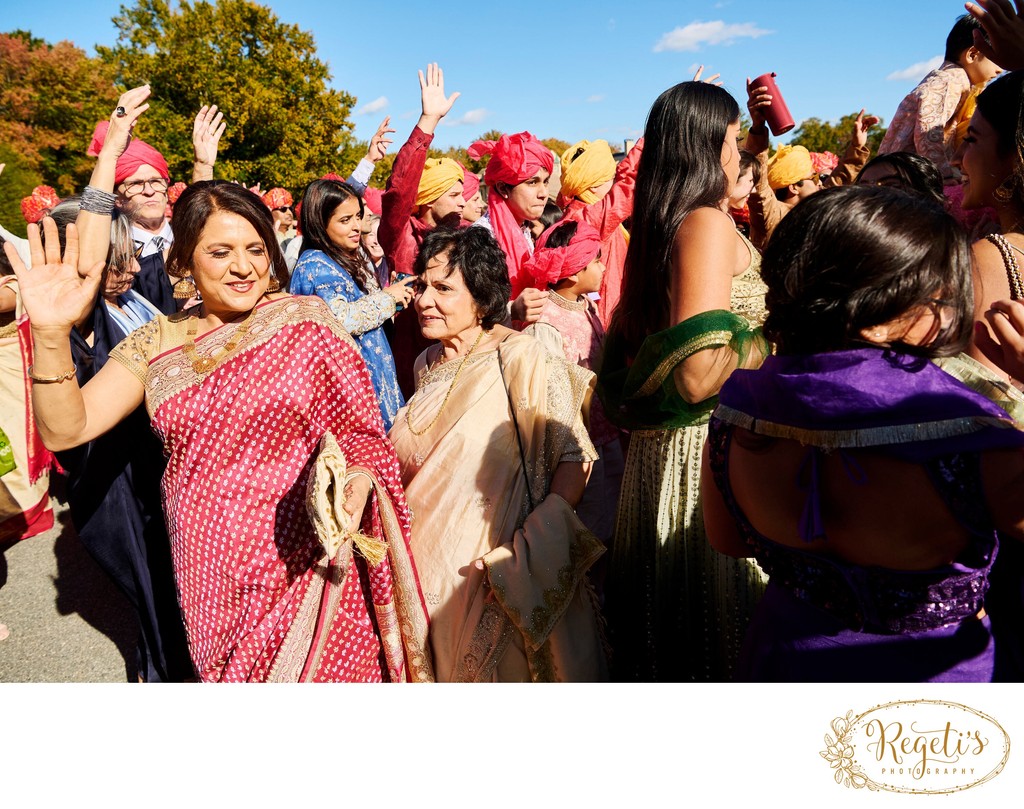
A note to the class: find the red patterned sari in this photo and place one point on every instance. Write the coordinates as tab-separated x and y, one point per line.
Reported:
260	599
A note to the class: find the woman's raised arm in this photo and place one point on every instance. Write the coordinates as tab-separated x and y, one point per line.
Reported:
56	295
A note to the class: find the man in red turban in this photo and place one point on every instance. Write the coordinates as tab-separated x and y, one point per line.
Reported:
415	202
140	182
517	177
280	202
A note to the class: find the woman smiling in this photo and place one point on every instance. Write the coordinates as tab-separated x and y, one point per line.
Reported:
243	390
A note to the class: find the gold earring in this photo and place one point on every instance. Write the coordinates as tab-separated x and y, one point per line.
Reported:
1004	191
185	288
274	285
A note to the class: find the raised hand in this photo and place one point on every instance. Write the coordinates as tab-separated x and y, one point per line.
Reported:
206	131
132	104
380	142
56	294
861	126
434	103
1005	30
709	79
758	101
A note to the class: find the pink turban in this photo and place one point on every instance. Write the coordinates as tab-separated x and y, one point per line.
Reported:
372	200
137	154
470	185
42	199
548	265
514	159
824	162
278	198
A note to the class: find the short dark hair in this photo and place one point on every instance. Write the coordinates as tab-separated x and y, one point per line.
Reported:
319	202
913	173
961	37
199	202
475	253
552	214
853	257
561	234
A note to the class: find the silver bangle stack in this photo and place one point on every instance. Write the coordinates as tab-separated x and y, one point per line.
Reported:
98	202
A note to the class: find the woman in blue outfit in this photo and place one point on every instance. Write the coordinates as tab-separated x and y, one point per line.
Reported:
334	267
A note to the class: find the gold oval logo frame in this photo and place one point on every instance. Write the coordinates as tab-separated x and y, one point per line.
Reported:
854	736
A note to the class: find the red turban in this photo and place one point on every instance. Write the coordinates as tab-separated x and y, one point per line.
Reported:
137	154
43	198
824	162
549	265
332	176
514	159
470	185
372	199
278	198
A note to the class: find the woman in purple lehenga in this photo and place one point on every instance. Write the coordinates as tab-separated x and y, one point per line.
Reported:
871	486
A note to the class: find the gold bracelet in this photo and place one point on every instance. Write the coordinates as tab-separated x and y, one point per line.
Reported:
48	379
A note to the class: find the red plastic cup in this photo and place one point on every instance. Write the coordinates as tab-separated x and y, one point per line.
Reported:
777	116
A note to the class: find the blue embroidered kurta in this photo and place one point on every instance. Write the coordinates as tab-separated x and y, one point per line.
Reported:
361	314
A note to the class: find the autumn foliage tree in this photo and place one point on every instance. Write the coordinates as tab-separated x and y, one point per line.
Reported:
286	126
50	98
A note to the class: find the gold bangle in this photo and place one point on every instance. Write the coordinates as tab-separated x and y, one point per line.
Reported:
48	379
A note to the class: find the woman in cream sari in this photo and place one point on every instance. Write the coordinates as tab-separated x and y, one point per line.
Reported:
494	455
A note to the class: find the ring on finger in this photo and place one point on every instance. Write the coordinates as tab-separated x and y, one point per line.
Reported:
120	111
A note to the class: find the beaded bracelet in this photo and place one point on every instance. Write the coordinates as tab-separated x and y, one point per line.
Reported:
48	379
97	201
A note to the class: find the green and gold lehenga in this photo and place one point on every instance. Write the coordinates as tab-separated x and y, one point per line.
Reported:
677	609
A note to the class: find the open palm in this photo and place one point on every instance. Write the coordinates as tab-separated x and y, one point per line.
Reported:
54	292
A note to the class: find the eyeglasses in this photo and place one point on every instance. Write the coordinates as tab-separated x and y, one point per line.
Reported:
814	178
157	185
283	209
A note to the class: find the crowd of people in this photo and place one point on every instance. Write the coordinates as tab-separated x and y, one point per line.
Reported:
717	413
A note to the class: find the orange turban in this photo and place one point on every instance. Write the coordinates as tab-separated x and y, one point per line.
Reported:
439	175
278	198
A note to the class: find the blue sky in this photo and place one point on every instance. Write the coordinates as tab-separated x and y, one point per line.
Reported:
584	70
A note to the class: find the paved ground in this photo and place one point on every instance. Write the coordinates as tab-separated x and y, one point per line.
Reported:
66	622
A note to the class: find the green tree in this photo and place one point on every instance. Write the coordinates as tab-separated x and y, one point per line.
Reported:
286	127
16	181
51	97
821	136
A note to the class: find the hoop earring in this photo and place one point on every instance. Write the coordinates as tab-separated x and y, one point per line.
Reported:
185	289
1004	191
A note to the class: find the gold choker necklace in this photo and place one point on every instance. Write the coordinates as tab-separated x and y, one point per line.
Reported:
203	365
451	387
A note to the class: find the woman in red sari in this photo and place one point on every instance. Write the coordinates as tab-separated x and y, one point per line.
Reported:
276	451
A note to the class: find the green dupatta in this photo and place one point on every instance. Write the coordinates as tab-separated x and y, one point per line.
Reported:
642	394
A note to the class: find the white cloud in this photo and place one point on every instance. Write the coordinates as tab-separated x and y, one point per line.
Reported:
594	99
691	37
373	106
471	117
915	72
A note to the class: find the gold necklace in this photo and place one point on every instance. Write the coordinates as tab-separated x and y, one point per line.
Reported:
451	387
201	364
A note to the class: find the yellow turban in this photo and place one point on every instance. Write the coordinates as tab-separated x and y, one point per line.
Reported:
789	165
593	166
439	175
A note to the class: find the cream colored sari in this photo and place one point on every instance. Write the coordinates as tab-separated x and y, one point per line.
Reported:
507	601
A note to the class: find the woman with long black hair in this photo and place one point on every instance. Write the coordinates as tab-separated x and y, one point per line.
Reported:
691	301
